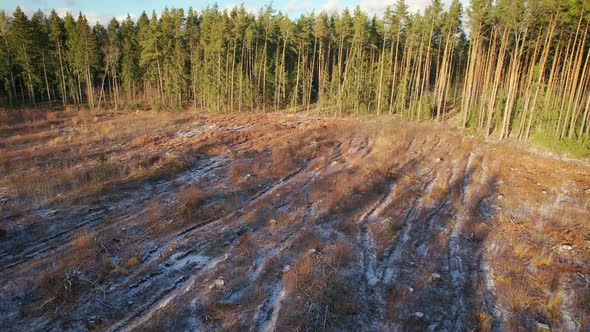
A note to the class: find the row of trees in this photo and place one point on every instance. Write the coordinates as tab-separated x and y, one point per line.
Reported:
513	67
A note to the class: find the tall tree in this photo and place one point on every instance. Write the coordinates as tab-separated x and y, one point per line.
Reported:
21	42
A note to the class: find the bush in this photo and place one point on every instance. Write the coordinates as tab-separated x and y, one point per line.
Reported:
134	106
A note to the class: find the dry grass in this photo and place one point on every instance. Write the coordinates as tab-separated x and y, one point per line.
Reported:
132	261
475	231
59	154
485	321
191	198
82	241
75	272
346	169
542	258
316	288
282	161
554	304
522	250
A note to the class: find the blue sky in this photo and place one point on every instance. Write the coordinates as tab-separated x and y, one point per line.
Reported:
103	10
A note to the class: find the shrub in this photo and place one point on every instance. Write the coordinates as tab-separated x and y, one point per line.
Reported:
134	106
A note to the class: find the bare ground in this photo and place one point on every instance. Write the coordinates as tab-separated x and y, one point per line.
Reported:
183	221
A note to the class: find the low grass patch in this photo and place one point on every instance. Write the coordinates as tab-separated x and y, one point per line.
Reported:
572	146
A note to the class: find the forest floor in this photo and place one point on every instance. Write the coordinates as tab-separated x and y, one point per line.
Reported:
121	221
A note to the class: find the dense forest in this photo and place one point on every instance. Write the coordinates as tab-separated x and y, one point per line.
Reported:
507	67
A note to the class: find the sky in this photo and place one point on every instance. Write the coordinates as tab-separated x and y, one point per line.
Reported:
103	10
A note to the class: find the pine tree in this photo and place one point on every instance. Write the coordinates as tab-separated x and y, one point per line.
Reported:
151	56
21	42
130	74
56	42
6	66
111	49
44	62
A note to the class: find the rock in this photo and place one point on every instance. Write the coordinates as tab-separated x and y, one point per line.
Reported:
93	320
436	277
542	327
312	251
587	191
52	213
272	222
567	247
286	268
410	290
387	221
500	196
418	314
532	269
439	159
218	283
544	191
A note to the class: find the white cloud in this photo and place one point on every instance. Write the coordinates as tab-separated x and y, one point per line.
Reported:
249	9
377	7
295	6
28	11
92	17
122	18
331	6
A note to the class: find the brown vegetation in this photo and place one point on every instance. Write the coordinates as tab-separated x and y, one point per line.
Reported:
192	221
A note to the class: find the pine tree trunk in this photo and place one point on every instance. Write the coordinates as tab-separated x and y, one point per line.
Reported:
46	81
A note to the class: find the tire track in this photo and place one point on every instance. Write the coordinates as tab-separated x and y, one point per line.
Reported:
181	236
393	254
375	301
181	286
457	246
164	296
60	241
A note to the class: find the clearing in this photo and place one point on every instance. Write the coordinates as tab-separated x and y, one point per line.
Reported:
120	221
